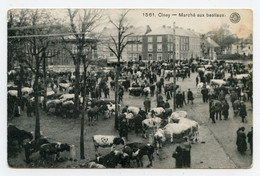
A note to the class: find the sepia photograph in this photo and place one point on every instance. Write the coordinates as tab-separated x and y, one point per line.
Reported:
129	88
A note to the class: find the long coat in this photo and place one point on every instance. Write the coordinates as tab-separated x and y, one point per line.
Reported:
225	109
243	112
241	141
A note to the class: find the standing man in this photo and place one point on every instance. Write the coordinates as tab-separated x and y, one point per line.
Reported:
205	94
242	111
212	111
178	157
190	96
123	128
225	108
167	105
241	140
179	99
186	149
197	80
147	105
250	140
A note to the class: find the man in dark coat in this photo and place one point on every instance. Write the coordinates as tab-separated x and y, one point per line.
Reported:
179	99
212	111
123	128
197	80
225	108
242	111
241	140
186	150
205	94
178	157
250	140
190	96
147	105
166	105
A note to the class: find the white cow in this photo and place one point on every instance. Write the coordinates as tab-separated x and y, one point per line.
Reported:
106	141
152	123
133	109
158	111
177	115
92	164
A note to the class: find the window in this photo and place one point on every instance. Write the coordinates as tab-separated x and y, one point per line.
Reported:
159	39
134	47
140	47
129	48
159	47
169	47
150	39
135	56
130	56
159	56
150	47
140	39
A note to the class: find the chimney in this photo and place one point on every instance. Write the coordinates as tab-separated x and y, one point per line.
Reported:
148	29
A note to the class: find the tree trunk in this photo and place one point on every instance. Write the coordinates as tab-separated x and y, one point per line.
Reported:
82	155
77	87
44	81
116	96
20	84
36	95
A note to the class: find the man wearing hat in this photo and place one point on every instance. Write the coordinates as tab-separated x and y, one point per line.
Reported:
186	149
242	111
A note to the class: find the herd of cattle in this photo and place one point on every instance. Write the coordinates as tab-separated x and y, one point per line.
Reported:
161	125
178	126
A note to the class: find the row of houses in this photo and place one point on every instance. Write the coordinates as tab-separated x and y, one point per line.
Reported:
161	43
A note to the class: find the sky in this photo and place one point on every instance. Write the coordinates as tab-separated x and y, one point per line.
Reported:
199	20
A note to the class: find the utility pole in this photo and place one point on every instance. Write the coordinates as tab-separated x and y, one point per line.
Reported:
174	69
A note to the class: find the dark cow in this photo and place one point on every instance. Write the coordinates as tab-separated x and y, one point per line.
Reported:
15	134
114	158
33	146
93	115
136	151
55	149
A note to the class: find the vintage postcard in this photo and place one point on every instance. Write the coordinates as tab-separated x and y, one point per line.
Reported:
130	88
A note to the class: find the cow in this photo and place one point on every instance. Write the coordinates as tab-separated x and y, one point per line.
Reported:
183	127
93	115
112	159
133	109
136	151
95	165
158	110
67	108
112	108
33	146
159	139
152	123
15	134
106	141
54	149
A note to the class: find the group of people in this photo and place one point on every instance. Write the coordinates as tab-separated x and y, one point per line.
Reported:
241	140
180	98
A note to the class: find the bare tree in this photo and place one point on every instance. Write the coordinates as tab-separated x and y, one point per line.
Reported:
117	46
33	42
81	24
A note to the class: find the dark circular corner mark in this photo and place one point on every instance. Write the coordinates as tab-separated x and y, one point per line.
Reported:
234	17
